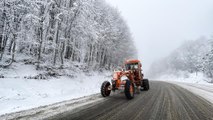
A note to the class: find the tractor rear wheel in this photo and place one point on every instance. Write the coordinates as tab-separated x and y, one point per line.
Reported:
105	89
129	90
145	84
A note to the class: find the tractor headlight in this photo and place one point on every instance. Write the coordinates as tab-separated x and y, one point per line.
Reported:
124	78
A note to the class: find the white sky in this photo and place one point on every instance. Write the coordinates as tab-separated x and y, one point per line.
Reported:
160	26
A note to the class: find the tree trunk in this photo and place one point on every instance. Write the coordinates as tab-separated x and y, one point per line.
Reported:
61	54
40	45
13	52
14	47
56	43
4	39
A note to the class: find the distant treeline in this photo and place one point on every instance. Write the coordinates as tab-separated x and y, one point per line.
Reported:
192	56
60	32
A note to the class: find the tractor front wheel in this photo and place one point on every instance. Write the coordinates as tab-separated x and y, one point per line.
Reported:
129	90
145	84
105	89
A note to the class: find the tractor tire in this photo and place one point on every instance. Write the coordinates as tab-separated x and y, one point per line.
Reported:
145	84
105	89
129	90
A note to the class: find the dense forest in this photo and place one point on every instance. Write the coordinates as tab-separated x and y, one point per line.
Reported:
191	57
58	33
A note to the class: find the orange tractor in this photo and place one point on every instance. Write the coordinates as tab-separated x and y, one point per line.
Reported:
129	80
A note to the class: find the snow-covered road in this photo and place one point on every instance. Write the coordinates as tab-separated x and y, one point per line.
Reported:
164	101
203	90
50	108
195	83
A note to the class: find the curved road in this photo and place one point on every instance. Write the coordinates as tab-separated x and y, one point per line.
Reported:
164	101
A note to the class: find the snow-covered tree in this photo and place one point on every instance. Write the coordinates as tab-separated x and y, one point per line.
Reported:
192	57
58	33
208	62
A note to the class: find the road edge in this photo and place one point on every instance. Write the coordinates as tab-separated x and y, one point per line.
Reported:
201	93
47	111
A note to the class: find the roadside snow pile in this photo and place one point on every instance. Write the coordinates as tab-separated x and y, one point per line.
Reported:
19	93
185	77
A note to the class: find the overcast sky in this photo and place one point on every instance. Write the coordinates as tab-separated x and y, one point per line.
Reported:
160	26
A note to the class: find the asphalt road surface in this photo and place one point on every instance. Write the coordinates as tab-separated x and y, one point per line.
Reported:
164	101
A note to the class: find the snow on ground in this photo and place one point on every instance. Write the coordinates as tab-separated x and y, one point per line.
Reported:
18	93
48	111
185	77
197	83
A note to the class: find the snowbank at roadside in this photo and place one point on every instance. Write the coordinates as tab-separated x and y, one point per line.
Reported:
18	93
185	77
